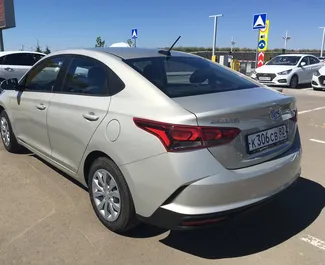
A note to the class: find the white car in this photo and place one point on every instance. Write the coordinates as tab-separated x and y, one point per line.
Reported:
288	70
14	64
318	81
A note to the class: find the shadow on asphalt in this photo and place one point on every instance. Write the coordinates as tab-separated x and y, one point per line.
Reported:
271	225
289	214
301	86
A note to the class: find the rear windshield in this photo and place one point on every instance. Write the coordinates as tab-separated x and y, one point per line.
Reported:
181	76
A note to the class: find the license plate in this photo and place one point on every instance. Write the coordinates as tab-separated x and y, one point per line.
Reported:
263	78
267	138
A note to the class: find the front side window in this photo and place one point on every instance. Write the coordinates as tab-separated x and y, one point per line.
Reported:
44	76
86	76
305	60
284	60
180	76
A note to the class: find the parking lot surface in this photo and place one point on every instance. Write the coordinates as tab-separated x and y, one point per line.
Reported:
46	218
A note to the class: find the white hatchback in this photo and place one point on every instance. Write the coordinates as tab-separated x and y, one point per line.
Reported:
288	70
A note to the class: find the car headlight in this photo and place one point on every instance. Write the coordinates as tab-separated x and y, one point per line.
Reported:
285	72
317	73
254	72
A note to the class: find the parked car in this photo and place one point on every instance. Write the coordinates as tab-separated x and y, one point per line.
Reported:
318	82
14	64
166	138
288	70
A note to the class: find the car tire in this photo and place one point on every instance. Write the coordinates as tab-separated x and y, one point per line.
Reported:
110	196
294	82
317	89
7	135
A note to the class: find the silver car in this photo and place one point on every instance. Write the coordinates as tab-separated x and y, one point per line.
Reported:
162	137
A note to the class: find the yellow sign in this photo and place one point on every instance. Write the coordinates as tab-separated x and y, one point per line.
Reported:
263	38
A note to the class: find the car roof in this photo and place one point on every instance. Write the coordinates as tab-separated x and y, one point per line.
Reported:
11	52
296	54
123	52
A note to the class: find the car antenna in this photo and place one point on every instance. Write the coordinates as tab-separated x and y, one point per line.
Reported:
171	47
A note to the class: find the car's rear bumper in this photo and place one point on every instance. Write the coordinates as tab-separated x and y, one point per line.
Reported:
196	184
218	198
176	221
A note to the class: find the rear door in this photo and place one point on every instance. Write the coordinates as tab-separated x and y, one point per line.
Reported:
304	71
316	63
77	109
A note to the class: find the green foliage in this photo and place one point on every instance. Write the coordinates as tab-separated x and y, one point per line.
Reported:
47	50
39	49
100	42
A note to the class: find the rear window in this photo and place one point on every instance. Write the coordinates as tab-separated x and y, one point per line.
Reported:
181	76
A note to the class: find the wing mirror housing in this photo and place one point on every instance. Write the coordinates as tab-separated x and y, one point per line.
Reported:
302	64
9	84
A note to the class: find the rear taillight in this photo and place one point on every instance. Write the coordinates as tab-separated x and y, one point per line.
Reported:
183	137
294	118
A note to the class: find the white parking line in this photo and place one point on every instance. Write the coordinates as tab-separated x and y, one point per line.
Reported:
317	141
314	241
310	110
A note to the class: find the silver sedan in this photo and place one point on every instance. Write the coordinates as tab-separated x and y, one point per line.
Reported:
162	137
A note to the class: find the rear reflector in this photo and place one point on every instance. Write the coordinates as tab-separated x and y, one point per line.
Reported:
203	222
295	117
184	137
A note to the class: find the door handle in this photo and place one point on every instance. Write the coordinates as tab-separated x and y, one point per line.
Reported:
9	69
41	106
90	116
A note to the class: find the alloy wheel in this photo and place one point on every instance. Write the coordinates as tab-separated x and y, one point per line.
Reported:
5	131
106	195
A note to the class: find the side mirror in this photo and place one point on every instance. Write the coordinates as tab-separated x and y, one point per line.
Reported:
302	64
9	84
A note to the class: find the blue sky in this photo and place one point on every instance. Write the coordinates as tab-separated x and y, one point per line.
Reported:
71	23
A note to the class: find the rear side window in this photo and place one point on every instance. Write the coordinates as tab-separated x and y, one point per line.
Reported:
22	59
181	76
313	60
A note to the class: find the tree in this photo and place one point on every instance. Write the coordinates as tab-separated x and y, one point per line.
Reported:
38	47
100	42
47	50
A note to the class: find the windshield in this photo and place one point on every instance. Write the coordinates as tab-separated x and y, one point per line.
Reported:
284	60
181	76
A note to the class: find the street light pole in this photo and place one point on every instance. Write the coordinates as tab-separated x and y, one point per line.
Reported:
215	35
232	44
286	38
323	42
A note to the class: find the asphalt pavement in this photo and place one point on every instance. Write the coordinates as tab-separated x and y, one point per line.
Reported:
46	218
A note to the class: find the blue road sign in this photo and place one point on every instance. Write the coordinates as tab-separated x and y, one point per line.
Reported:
261	44
259	21
134	33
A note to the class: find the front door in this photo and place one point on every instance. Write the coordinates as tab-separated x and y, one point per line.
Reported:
30	106
76	111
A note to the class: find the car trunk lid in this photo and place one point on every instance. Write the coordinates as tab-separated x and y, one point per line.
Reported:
253	111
